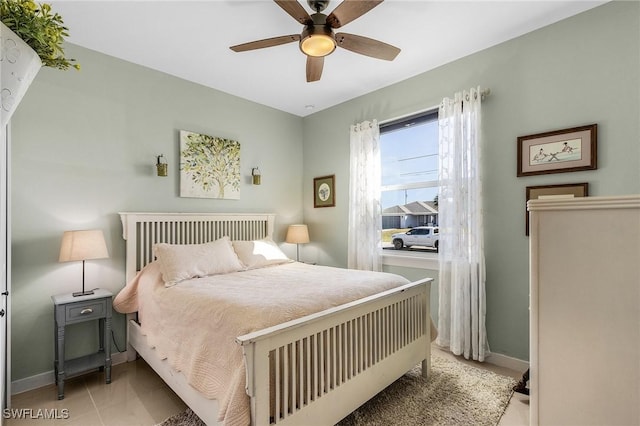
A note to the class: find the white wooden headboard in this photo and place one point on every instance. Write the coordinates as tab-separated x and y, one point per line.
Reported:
142	230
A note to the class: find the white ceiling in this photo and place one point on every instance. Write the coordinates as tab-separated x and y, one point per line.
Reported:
191	39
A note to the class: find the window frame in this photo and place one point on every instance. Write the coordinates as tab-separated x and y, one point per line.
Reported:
410	259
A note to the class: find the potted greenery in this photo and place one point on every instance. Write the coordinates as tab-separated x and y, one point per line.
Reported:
31	37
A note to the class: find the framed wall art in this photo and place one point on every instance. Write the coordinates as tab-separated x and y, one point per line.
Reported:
567	190
209	166
560	151
324	194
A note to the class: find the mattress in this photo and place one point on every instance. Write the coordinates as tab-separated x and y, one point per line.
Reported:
194	324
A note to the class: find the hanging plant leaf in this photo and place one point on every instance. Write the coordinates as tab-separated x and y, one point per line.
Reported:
40	28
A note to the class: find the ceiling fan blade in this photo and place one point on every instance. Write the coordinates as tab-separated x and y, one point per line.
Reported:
267	42
295	9
314	68
349	10
367	46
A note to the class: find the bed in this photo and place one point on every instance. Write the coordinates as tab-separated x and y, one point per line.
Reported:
309	367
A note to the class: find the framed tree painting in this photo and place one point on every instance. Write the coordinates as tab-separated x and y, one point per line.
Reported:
324	194
567	150
209	166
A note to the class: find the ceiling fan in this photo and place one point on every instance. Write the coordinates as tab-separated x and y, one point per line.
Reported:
318	40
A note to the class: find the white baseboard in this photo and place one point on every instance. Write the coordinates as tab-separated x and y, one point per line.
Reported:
499	360
507	362
33	382
48	378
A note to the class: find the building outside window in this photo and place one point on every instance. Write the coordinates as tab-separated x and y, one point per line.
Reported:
409	156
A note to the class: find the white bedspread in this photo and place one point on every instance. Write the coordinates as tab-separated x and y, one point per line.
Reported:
194	324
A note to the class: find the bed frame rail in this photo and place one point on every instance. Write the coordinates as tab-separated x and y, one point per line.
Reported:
318	359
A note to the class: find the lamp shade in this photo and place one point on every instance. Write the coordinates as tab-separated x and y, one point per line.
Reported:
83	245
297	234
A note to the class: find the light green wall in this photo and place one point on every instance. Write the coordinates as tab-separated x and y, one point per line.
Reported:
84	146
583	70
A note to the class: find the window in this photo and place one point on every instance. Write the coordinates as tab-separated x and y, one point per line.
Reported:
409	155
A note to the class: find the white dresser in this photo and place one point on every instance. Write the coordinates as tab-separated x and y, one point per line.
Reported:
585	311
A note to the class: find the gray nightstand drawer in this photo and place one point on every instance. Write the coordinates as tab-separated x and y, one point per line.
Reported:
83	311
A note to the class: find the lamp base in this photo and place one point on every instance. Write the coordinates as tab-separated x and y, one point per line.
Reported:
82	293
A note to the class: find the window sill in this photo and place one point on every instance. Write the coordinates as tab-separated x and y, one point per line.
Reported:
411	260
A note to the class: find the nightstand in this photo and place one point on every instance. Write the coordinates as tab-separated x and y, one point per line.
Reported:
72	310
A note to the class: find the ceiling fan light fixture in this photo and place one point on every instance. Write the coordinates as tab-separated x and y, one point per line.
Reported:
318	39
317	42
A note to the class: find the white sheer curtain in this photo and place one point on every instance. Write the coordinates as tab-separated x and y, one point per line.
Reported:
462	302
365	225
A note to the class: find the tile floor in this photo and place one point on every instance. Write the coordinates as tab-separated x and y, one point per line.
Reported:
137	396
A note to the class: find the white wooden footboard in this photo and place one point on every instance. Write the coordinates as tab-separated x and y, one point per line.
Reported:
319	368
313	370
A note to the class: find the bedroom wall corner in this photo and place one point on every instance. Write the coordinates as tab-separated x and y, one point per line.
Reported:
84	149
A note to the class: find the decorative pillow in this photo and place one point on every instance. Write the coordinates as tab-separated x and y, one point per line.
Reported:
179	262
259	253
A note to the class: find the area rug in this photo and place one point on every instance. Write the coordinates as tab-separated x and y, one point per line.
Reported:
454	394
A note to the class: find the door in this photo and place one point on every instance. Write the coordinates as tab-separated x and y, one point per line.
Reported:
4	271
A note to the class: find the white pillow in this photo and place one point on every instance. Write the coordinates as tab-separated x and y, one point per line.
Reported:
179	262
259	253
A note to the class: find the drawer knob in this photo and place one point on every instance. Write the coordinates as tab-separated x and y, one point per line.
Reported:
86	311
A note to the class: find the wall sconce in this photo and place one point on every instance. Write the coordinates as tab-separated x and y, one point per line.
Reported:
161	166
255	175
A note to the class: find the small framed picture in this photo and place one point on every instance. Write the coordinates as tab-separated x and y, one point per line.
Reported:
324	194
568	190
560	151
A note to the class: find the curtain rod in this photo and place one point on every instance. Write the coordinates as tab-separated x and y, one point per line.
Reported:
483	94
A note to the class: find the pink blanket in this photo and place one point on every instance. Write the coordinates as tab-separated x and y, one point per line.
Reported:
194	324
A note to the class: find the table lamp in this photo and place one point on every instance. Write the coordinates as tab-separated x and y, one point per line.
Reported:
297	234
83	245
